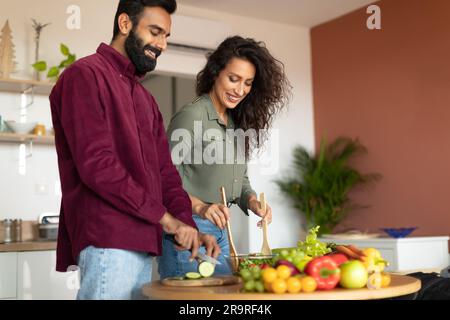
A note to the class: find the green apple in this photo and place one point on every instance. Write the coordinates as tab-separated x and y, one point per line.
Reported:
303	262
353	275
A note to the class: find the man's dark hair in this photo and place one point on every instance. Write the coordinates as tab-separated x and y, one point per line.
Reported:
134	9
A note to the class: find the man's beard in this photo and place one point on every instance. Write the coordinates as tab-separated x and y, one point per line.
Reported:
136	52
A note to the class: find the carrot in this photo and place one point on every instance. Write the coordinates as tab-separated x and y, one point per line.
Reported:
356	250
348	252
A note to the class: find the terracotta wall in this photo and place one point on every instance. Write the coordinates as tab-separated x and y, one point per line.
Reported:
391	89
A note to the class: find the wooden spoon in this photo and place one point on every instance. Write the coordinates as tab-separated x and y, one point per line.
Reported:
233	253
265	250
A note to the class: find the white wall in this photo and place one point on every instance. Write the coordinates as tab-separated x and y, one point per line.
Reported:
289	44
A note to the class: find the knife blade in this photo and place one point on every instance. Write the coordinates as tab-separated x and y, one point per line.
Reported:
199	255
207	258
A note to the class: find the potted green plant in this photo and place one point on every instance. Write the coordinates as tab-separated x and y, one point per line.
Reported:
319	188
55	71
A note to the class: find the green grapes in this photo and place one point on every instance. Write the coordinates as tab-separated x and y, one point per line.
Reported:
252	279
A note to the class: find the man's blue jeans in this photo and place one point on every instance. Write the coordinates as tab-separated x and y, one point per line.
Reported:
174	263
113	274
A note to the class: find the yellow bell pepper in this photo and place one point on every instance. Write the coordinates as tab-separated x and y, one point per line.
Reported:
373	260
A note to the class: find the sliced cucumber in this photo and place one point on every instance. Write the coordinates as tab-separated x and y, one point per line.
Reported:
206	269
193	275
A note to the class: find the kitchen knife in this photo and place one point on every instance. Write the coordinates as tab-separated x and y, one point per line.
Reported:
200	255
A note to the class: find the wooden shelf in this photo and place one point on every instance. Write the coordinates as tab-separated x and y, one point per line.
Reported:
18	85
15	138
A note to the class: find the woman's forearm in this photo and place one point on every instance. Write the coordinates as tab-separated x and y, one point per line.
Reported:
197	205
251	198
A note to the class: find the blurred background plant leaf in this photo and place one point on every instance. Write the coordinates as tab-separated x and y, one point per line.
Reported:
320	185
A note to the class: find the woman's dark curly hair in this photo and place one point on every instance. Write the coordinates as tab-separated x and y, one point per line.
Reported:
270	91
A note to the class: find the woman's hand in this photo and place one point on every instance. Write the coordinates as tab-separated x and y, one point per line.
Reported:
216	213
255	206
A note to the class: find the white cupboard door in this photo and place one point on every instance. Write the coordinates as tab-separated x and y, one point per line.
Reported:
8	275
38	280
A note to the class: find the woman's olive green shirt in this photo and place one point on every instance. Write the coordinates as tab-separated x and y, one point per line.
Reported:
207	155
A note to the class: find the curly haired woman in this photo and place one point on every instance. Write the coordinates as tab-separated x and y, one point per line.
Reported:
239	91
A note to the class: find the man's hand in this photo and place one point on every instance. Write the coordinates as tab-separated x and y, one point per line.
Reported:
186	236
218	214
210	243
255	206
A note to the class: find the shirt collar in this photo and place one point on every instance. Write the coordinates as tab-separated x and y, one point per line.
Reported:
119	62
212	112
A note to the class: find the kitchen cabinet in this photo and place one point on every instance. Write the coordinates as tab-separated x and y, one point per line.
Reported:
406	254
26	275
37	278
8	275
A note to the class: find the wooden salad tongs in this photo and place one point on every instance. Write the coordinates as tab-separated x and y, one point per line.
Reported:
233	253
265	250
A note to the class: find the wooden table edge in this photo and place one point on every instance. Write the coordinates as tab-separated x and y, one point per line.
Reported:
156	291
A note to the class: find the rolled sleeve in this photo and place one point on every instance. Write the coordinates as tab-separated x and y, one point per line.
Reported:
247	191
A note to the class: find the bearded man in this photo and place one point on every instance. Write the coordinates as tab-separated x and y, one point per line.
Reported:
120	190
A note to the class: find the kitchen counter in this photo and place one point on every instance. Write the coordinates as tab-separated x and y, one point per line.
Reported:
28	246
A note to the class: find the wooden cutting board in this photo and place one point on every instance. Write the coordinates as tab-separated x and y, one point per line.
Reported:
203	282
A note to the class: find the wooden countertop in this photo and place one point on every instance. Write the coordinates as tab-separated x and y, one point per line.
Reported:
28	246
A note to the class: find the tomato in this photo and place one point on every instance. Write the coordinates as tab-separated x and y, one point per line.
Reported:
291	266
294	285
269	275
308	284
268	286
264	266
353	275
283	272
279	286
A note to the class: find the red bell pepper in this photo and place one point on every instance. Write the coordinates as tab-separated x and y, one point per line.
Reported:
325	271
339	258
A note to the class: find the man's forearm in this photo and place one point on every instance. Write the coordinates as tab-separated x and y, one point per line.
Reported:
169	223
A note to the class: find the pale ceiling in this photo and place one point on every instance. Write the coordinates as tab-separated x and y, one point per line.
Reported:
306	13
